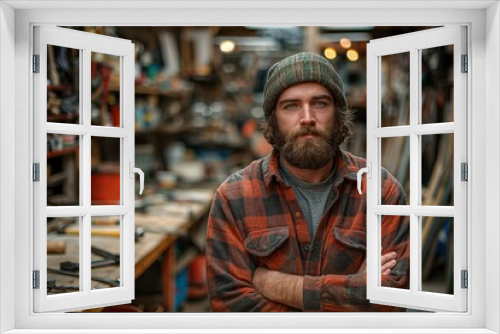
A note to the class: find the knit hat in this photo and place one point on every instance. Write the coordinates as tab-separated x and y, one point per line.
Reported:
297	68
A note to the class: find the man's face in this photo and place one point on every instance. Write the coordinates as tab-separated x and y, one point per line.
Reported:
305	117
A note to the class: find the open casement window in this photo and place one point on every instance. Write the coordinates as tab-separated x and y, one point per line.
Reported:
416	130
74	119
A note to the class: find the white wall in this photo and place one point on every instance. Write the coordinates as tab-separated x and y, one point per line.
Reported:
7	160
486	110
492	152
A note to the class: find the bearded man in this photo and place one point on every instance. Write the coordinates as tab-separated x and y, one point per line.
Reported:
287	233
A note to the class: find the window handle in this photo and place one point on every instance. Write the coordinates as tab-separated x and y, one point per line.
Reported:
368	171
138	171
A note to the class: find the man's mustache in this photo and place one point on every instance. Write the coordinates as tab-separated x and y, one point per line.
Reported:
308	131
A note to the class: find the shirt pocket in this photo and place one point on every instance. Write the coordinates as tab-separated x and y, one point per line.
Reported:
350	238
268	247
346	252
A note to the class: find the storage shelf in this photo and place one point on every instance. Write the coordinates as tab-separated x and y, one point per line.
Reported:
165	130
58	88
62	152
56	179
155	90
61	118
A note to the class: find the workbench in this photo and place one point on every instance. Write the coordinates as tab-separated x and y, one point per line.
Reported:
164	223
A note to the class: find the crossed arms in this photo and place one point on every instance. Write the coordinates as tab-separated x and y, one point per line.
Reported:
236	283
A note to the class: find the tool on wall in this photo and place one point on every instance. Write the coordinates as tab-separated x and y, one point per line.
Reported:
109	281
109	259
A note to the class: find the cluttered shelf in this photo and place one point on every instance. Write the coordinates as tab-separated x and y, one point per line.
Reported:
62	152
157	90
164	130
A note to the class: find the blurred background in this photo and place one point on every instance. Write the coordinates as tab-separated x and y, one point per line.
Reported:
198	115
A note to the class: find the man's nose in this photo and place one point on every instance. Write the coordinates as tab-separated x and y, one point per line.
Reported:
307	116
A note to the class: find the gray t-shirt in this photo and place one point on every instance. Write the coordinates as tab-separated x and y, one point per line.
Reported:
312	197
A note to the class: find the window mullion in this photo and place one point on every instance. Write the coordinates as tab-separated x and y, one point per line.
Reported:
85	114
415	170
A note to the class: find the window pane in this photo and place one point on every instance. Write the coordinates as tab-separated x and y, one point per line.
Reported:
105	89
395	89
63	152
105	252
437	169
396	159
395	238
437	84
105	162
63	255
437	254
63	85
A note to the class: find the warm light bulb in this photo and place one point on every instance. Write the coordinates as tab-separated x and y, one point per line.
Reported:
352	55
227	46
345	43
330	53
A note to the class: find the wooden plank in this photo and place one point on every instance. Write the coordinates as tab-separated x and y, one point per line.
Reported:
168	279
147	253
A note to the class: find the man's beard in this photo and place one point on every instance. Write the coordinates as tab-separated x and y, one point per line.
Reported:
307	153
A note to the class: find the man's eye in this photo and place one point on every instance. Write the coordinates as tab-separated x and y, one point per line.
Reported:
320	104
291	106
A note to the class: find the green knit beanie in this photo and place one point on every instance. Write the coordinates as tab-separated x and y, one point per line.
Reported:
297	68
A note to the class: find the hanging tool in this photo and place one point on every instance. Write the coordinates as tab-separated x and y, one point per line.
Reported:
56	247
107	232
109	259
109	281
51	286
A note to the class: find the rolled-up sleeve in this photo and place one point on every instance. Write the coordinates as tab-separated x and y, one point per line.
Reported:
348	292
230	267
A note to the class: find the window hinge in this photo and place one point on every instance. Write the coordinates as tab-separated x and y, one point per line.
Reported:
465	279
465	64
464	171
36	63
36	279
36	172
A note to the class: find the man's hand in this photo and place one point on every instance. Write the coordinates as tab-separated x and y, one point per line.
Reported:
388	262
287	289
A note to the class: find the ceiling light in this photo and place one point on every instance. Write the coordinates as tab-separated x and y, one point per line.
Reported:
227	46
330	53
352	55
345	43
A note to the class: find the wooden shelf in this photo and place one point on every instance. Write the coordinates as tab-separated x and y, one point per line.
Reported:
165	130
61	118
156	90
62	152
56	179
215	144
58	88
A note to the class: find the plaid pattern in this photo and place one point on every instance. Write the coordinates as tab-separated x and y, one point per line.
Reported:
301	67
256	220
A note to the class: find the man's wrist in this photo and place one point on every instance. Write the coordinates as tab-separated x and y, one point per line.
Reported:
279	287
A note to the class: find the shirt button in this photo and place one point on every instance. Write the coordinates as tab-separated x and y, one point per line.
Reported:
297	214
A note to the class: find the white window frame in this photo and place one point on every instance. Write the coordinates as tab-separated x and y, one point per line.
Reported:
483	20
85	43
412	44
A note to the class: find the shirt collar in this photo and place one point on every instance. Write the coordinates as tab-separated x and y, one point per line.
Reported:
346	168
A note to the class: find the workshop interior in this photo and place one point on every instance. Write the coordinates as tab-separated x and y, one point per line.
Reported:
198	116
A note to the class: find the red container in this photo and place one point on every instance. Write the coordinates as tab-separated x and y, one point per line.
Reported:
105	189
197	279
115	115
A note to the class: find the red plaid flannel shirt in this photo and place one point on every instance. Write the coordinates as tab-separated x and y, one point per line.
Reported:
256	221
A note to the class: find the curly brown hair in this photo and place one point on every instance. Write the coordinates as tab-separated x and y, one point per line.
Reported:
342	127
